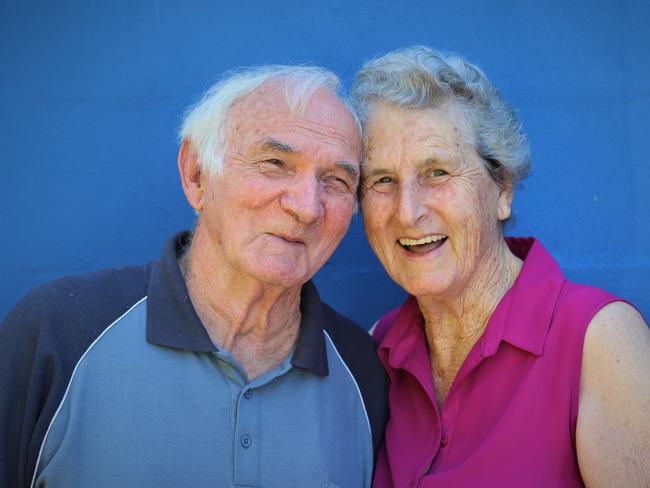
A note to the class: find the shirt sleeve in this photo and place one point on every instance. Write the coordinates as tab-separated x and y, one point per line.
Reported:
26	380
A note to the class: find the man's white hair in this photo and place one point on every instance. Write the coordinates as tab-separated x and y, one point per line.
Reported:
205	123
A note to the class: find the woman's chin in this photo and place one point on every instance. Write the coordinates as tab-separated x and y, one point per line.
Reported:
426	285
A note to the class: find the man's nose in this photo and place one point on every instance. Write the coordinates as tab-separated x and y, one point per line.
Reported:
302	199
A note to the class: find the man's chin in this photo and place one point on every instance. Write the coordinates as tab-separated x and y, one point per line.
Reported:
286	276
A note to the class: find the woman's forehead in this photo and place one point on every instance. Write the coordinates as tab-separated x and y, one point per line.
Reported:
396	130
416	126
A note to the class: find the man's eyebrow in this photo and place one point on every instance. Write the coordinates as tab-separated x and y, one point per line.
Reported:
276	145
350	168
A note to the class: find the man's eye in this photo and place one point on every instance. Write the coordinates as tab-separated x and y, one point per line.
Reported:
338	184
439	172
272	167
274	162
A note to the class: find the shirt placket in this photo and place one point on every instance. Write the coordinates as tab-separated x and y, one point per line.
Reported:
247	429
451	408
247	437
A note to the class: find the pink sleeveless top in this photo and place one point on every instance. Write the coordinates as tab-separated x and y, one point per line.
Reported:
510	416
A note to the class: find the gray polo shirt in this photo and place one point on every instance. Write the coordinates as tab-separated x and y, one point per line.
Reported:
148	400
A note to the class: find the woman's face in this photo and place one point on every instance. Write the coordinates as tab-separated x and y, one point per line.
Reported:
432	212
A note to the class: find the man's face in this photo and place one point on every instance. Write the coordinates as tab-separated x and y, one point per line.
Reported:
287	191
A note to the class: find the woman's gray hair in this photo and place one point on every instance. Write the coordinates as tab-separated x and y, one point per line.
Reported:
418	77
205	123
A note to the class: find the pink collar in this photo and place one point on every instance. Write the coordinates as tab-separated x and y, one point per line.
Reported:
539	277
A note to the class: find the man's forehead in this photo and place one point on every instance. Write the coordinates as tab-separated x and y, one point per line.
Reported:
272	101
266	112
269	97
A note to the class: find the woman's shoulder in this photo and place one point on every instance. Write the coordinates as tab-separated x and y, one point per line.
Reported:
577	300
616	329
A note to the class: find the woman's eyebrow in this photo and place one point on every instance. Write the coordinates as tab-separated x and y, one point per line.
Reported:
374	172
433	161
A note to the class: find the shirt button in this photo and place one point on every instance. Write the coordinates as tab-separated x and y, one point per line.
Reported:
248	394
246	441
443	442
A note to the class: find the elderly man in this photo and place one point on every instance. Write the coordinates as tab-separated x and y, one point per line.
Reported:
217	365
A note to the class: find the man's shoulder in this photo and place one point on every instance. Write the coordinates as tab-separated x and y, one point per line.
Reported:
358	350
344	330
74	302
355	346
42	340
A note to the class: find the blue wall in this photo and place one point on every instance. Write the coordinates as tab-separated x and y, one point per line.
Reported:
91	94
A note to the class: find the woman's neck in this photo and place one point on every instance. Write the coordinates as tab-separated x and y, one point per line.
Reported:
454	324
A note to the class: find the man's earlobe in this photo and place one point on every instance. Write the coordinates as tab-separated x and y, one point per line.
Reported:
190	173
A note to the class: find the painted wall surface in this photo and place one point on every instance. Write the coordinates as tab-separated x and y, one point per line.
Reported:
92	92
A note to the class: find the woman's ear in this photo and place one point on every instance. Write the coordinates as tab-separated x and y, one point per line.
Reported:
504	202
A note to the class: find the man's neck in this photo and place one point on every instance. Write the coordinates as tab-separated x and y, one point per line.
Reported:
256	323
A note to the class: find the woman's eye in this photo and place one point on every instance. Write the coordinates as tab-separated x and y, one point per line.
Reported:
382	184
439	172
383	180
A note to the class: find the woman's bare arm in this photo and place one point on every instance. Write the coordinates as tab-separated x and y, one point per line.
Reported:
613	431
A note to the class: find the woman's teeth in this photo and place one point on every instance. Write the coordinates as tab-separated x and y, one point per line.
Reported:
417	242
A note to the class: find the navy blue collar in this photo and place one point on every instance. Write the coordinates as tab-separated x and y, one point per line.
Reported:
173	322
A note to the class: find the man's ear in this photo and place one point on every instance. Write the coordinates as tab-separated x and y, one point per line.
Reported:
190	171
504	202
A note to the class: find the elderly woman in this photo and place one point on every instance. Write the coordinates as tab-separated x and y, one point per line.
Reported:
503	373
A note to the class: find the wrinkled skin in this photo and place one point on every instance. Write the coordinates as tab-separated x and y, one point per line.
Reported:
286	194
421	178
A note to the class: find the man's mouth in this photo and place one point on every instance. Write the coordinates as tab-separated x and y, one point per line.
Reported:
290	238
424	244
